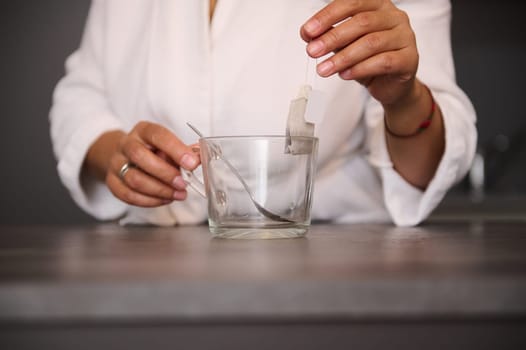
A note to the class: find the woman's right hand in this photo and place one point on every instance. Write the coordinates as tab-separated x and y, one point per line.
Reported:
156	155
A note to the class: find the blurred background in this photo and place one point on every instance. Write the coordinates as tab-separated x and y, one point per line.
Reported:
36	36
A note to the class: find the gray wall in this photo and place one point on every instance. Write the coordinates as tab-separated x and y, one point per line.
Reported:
36	37
489	43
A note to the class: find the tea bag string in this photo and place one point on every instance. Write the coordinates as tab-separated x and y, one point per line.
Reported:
309	75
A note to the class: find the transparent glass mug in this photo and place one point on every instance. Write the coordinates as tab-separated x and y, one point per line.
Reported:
255	186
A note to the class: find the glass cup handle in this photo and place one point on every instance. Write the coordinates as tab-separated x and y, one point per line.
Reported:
192	180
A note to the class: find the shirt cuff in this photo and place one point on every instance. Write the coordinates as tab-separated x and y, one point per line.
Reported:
90	194
406	204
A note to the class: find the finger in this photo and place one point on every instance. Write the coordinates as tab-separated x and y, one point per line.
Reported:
143	183
164	140
334	13
146	159
360	50
350	30
127	195
387	63
178	182
165	157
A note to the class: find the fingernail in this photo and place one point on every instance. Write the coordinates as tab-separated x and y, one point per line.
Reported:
195	148
325	68
180	195
346	74
312	26
188	161
179	183
315	47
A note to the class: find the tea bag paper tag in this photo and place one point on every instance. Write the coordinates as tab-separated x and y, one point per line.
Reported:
296	124
316	106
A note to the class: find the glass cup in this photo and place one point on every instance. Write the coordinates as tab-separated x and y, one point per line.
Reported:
256	186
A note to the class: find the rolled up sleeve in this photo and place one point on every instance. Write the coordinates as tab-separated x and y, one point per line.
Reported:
406	204
80	113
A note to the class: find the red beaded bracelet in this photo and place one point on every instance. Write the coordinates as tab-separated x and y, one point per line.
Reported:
424	125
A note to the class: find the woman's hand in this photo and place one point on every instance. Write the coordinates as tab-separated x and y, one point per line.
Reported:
373	43
156	155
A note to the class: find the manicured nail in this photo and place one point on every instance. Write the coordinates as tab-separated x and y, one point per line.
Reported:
325	68
195	148
312	26
346	74
315	47
179	183
188	161
180	195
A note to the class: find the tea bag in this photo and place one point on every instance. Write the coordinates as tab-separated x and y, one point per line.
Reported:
305	111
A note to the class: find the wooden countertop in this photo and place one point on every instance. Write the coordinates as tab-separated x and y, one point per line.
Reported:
441	270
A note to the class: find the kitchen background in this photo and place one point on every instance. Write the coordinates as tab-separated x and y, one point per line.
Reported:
36	36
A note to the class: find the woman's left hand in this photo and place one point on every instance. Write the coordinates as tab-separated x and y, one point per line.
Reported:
373	43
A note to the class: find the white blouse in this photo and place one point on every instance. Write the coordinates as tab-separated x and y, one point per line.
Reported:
163	61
